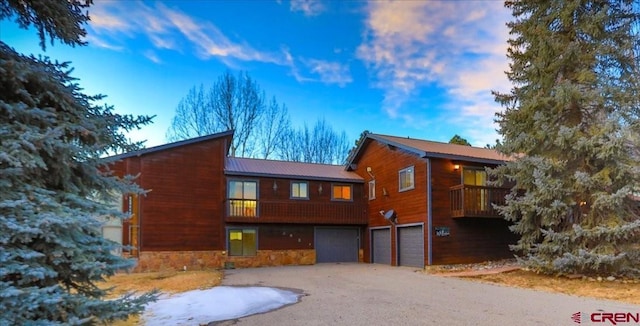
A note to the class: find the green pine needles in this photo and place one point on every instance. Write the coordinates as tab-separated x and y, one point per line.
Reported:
571	124
53	187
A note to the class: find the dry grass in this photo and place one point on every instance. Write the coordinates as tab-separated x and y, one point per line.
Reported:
167	282
618	290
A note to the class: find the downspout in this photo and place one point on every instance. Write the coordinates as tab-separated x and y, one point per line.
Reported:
429	215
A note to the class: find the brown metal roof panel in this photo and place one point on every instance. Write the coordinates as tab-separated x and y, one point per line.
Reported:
259	167
445	149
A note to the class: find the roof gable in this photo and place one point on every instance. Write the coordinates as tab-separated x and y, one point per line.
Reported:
432	149
145	151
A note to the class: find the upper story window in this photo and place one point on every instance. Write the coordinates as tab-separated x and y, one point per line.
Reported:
474	176
372	189
300	190
341	192
406	179
243	198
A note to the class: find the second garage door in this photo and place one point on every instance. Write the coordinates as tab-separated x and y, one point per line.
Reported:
381	246
335	245
411	246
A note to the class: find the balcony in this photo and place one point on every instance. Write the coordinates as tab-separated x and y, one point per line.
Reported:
296	211
476	201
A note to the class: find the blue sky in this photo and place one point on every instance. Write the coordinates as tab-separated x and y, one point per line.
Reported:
423	69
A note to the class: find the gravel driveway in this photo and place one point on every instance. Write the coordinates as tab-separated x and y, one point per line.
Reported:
366	294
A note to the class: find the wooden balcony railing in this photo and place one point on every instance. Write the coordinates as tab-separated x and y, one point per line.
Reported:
476	201
296	211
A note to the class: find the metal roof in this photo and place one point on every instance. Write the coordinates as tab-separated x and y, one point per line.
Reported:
292	170
426	148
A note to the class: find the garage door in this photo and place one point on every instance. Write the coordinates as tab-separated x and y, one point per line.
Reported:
381	246
334	245
411	246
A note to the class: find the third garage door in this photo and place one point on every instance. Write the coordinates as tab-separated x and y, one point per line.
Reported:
381	246
411	246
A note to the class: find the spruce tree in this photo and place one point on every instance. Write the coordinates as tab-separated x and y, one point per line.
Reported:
571	124
54	185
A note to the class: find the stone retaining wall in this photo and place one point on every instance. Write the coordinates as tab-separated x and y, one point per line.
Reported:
153	261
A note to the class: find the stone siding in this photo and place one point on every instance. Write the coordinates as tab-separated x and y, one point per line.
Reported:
153	261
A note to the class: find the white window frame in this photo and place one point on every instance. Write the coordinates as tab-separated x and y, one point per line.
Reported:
372	189
412	172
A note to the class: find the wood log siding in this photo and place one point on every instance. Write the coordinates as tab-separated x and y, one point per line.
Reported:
476	201
302	212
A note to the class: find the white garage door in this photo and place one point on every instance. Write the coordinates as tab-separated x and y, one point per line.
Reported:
381	246
335	245
411	246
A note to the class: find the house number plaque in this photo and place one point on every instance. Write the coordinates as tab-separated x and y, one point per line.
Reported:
442	231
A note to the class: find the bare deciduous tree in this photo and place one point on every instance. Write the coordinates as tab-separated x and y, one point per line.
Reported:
193	117
261	129
273	127
318	145
232	103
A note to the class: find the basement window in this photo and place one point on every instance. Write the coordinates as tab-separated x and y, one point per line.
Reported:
242	242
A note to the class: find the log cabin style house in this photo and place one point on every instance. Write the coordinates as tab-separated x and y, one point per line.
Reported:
397	201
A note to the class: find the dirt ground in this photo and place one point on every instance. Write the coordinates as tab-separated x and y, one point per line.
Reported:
507	273
617	290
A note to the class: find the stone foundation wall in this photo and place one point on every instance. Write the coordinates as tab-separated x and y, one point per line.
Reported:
153	261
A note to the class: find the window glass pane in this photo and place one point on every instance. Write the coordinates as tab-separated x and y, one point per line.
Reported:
346	192
250	190
242	242
336	192
372	189
341	192
235	242
249	242
406	178
299	190
235	189
469	177
481	177
474	177
303	190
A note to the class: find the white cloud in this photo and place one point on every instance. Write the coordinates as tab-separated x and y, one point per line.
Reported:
169	29
307	7
459	46
330	72
149	54
99	42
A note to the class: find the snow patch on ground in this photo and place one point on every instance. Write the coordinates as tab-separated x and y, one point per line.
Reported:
218	303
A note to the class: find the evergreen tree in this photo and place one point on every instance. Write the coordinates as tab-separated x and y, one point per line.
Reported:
54	185
571	123
456	139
